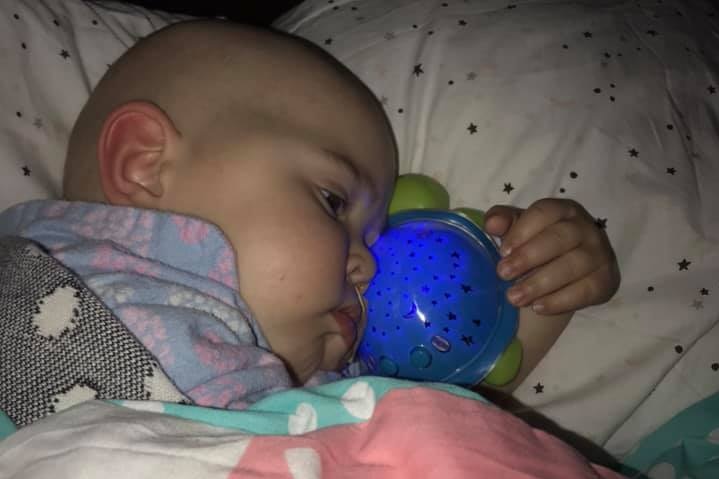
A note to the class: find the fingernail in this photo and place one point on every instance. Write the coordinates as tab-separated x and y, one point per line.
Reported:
538	307
505	270
515	295
505	250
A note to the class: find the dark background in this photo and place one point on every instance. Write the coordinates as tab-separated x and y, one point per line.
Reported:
256	12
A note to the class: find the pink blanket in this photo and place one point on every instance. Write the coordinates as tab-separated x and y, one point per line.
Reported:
402	432
420	433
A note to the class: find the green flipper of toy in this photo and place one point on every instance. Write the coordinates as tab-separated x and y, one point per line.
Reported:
414	191
507	365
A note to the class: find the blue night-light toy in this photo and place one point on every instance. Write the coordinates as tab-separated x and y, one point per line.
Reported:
436	309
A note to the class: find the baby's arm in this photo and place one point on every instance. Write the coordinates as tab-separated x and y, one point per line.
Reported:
560	260
537	333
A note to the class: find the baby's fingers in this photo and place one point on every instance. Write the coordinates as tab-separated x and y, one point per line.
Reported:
536	218
589	290
557	274
550	243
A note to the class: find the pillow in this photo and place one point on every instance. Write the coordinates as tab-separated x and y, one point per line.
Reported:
52	53
613	103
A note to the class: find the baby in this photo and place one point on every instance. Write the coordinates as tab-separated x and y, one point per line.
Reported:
223	185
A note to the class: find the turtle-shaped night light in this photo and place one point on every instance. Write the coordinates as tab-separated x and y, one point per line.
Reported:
436	308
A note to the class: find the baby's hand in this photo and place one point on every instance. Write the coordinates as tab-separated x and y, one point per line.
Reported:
563	260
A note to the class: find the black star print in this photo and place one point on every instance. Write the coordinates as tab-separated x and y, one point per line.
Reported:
633	153
679	349
704	291
711	89
508	188
671	171
462	23
477	322
427	324
451	316
652	33
467	340
684	264
510	7
601	223
328	41
425	289
25	171
472	128
418	70
455	254
64	54
538	388
466	288
715	366
587	34
57	24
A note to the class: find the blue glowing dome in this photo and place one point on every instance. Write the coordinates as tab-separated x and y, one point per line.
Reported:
436	309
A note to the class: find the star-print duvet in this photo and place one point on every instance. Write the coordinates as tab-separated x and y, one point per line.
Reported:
359	428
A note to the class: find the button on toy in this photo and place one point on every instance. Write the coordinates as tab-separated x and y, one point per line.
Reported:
436	309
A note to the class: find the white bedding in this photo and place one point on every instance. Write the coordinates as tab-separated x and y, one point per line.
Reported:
612	103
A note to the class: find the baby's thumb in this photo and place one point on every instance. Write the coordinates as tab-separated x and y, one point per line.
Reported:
500	218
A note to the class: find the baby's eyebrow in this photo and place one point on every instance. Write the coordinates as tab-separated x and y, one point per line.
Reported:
345	163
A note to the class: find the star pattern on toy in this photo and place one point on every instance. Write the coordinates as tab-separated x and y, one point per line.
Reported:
704	292
25	171
467	340
633	153
671	171
417	71
466	288
538	388
472	128
684	264
601	223
451	316
64	54
508	188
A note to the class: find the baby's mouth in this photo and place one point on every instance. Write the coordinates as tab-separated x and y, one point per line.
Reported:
351	320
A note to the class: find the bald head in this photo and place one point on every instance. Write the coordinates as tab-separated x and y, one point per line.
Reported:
209	77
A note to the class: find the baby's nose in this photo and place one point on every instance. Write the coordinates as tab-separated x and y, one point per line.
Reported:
361	266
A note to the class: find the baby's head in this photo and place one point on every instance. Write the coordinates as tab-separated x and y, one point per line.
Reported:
271	140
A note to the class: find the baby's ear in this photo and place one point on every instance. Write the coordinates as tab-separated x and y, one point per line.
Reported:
135	144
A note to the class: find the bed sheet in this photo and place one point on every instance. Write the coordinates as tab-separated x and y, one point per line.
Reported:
52	53
612	103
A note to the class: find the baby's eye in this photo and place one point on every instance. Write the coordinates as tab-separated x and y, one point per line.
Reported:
335	203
